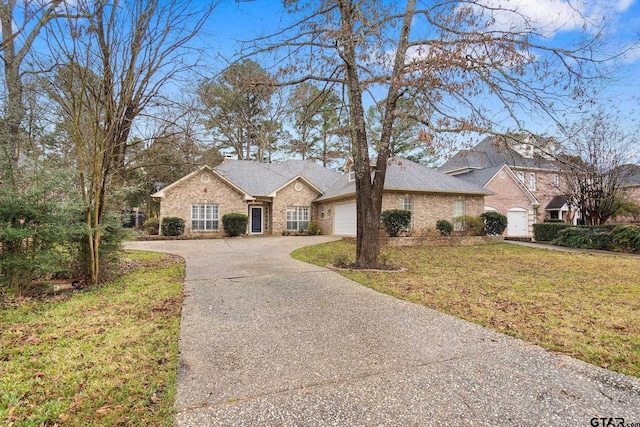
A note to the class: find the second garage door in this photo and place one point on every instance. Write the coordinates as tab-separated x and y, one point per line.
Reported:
344	219
517	222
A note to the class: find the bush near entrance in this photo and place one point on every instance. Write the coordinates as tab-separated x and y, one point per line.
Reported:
235	224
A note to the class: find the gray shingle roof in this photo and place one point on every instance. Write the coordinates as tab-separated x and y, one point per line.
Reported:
493	151
261	179
630	175
406	175
480	176
557	202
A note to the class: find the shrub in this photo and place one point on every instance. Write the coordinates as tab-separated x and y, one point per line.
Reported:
33	239
235	224
172	226
314	229
548	231
151	226
444	227
469	225
395	221
626	238
494	223
583	238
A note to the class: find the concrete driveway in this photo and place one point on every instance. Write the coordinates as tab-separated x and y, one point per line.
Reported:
269	341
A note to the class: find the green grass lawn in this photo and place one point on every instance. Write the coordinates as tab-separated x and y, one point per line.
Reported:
586	306
107	356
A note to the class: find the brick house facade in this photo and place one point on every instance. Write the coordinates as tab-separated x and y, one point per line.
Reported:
285	198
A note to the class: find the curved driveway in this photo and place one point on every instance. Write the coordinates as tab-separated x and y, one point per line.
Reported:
269	341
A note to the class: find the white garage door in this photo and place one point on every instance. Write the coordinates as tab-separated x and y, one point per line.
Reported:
518	222
344	219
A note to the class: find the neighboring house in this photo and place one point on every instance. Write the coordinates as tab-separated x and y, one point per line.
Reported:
286	197
525	181
630	176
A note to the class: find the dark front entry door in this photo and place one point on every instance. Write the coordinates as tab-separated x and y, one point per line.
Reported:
256	219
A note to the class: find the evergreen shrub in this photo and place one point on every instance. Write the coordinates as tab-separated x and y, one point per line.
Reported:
395	221
172	226
235	224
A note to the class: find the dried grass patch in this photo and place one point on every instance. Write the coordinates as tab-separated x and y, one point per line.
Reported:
586	306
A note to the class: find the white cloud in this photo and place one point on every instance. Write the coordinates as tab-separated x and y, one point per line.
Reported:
632	55
623	5
544	16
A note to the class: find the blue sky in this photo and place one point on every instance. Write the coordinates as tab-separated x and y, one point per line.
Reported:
560	21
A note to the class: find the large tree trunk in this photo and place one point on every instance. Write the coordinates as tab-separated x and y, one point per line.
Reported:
370	184
367	205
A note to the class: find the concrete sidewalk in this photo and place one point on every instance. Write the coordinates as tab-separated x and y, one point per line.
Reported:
270	341
574	250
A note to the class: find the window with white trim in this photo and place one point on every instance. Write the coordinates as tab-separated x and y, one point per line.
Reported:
520	176
556	179
532	181
459	209
204	217
352	173
297	218
406	204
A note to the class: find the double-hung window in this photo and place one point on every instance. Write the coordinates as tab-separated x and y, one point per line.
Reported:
459	209
406	204
532	181
204	217
297	218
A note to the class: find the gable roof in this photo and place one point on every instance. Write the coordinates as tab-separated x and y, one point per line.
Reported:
630	174
557	202
405	175
160	193
480	177
264	179
494	151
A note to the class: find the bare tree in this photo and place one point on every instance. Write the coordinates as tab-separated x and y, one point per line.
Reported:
21	22
596	150
115	57
465	67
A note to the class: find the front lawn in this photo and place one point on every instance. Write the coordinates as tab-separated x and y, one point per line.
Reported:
107	356
586	306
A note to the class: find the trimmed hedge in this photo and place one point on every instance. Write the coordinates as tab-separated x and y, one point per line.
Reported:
469	225
235	224
395	221
444	227
548	231
494	223
172	226
583	238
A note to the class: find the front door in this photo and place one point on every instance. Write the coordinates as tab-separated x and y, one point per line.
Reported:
256	219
